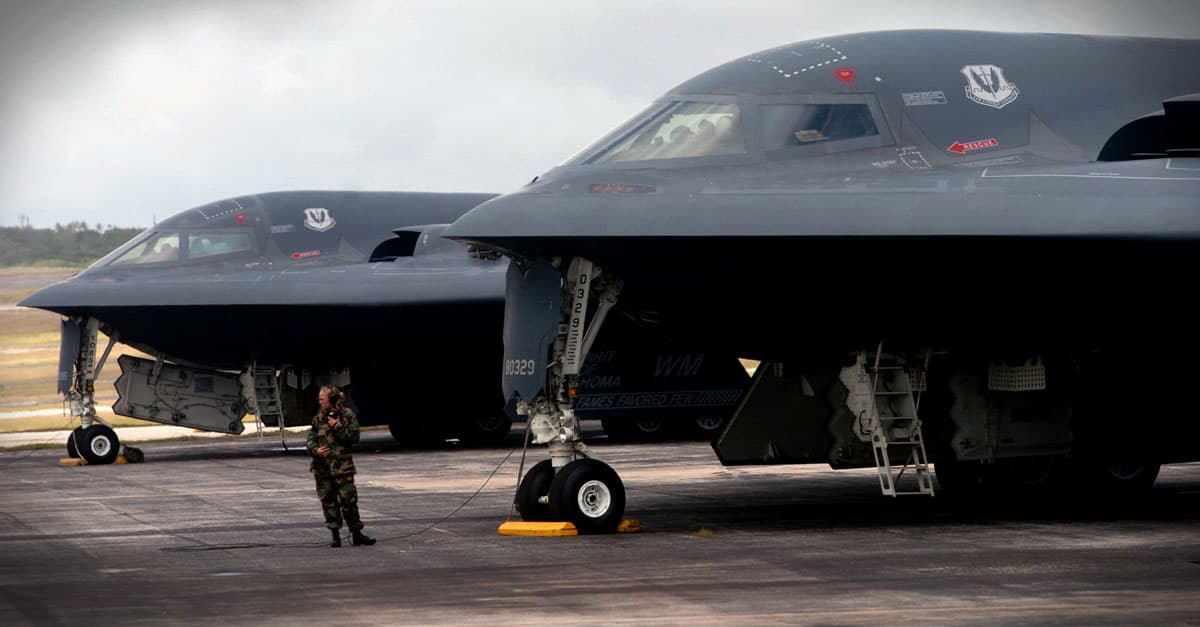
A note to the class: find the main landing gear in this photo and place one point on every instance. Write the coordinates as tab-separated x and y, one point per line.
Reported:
571	486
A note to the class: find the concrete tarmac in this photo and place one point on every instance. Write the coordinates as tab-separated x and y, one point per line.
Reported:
229	532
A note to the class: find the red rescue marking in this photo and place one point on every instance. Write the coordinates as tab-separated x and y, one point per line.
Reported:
975	145
307	253
846	75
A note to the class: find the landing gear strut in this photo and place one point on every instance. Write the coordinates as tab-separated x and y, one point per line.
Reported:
96	443
570	486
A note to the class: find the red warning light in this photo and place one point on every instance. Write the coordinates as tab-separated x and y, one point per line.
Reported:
846	75
239	218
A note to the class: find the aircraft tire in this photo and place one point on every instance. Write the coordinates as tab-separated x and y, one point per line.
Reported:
1130	478
99	445
76	437
706	427
486	429
649	428
589	494
635	429
1039	473
534	485
616	429
1120	479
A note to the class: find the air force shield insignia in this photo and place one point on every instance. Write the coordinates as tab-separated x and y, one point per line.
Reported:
987	86
318	219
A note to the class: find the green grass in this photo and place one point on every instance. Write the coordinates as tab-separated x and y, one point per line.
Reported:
58	423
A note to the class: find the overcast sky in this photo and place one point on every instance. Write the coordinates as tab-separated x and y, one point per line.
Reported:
126	111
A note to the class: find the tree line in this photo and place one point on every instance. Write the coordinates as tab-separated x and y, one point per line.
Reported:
74	244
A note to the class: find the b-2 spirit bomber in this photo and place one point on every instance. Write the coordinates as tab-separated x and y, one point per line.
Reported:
959	252
248	304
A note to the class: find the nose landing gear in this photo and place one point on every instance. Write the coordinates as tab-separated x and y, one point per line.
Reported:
570	486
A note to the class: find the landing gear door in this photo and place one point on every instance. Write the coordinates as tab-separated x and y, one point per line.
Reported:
531	312
173	395
68	354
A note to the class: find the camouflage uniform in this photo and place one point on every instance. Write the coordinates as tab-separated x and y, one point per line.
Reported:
335	474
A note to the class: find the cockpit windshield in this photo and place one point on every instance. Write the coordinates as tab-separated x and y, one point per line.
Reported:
793	125
160	247
680	130
187	245
218	243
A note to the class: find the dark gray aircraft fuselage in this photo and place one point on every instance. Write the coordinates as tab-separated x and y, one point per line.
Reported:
972	206
324	291
357	283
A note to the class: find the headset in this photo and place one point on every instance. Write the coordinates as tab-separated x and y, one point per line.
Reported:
335	395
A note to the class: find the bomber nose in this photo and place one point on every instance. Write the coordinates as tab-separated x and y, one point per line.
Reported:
58	297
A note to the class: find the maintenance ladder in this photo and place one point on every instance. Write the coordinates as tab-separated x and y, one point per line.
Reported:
267	400
898	428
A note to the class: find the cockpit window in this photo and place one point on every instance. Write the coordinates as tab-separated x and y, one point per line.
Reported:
218	243
159	248
164	247
795	125
680	130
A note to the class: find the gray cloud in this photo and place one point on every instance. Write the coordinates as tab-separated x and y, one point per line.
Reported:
126	110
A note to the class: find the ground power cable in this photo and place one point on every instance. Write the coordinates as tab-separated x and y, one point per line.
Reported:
456	510
204	546
520	473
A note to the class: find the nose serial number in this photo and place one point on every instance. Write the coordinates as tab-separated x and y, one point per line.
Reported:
518	367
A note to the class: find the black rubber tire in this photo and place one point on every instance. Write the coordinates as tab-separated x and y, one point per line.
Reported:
76	437
649	429
1132	477
535	484
99	445
485	429
617	430
1119	479
706	428
589	494
635	429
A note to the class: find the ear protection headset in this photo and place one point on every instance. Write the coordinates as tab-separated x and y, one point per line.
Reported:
334	395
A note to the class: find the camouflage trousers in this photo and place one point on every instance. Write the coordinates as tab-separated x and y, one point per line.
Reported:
339	499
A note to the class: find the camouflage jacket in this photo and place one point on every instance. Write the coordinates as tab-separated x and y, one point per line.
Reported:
340	438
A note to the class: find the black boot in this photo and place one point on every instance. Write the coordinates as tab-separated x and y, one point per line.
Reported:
362	539
337	537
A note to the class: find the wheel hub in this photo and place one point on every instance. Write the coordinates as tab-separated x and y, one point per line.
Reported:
594	499
1125	472
100	446
649	425
488	424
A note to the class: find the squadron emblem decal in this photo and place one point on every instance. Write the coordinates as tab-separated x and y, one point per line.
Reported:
987	86
318	219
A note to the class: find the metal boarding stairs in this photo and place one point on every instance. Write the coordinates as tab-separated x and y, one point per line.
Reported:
898	427
267	400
